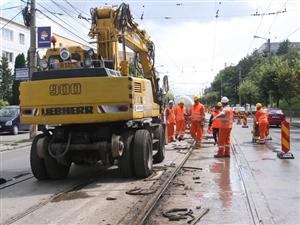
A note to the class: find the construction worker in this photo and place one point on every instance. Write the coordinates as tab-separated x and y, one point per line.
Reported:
226	120
261	119
197	120
170	119
180	120
215	125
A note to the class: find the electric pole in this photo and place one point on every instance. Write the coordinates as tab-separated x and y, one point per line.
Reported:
240	81
32	53
269	50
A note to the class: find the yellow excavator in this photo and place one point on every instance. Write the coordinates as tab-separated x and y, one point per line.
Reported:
94	108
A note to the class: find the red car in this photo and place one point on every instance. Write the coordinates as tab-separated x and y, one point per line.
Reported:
276	116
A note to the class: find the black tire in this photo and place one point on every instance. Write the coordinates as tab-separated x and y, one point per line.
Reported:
159	133
142	153
54	169
15	130
36	163
125	162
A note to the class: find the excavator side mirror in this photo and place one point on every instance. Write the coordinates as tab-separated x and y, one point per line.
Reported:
166	84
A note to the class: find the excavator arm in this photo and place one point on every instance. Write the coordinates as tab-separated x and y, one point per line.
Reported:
111	26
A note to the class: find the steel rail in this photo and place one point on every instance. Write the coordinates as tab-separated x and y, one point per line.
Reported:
255	214
39	205
141	217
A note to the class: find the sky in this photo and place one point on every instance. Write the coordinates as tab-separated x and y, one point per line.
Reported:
194	39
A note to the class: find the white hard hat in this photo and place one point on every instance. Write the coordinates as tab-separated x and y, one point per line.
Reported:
171	102
224	100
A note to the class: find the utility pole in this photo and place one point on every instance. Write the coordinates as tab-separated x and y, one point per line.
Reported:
269	51
270	62
32	53
240	81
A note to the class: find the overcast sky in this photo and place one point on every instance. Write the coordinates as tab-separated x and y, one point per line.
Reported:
193	39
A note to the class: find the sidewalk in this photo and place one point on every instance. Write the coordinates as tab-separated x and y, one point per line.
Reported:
10	142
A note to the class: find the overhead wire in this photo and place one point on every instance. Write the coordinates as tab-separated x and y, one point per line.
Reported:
260	23
57	23
56	16
275	18
79	11
168	56
11	20
65	10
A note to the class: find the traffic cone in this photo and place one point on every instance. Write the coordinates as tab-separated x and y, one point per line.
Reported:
285	141
245	120
239	118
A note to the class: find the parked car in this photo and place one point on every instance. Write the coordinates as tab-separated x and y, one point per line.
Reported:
276	116
10	120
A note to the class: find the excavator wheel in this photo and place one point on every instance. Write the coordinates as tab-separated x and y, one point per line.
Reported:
142	153
125	162
159	134
55	170
37	164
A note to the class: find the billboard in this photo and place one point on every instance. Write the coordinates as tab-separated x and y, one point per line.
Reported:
44	37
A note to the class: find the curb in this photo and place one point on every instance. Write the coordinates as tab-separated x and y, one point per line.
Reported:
12	147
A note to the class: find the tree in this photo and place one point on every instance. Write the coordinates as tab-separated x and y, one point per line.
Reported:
284	47
249	91
6	82
20	62
287	79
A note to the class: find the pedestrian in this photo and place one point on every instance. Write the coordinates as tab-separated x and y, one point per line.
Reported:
215	125
261	119
197	119
226	121
180	120
170	121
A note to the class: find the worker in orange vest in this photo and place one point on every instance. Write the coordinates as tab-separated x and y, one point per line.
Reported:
215	125
226	121
180	120
197	119
261	118
170	119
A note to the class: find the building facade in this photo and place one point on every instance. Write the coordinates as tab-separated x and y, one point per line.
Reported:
15	39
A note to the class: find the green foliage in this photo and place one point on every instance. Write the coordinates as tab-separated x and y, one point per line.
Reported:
261	79
249	91
211	97
287	79
20	62
6	80
3	103
284	47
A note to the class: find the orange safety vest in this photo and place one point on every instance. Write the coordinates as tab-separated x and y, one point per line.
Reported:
170	116
216	123
227	120
261	116
197	112
179	113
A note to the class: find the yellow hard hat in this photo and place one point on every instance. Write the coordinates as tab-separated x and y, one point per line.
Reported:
196	97
258	105
181	101
219	104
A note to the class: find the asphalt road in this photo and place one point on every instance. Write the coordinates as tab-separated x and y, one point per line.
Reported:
273	183
271	187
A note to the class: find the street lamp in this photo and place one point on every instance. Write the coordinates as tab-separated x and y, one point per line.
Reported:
268	44
270	61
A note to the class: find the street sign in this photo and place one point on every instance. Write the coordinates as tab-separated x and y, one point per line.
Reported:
22	74
44	37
